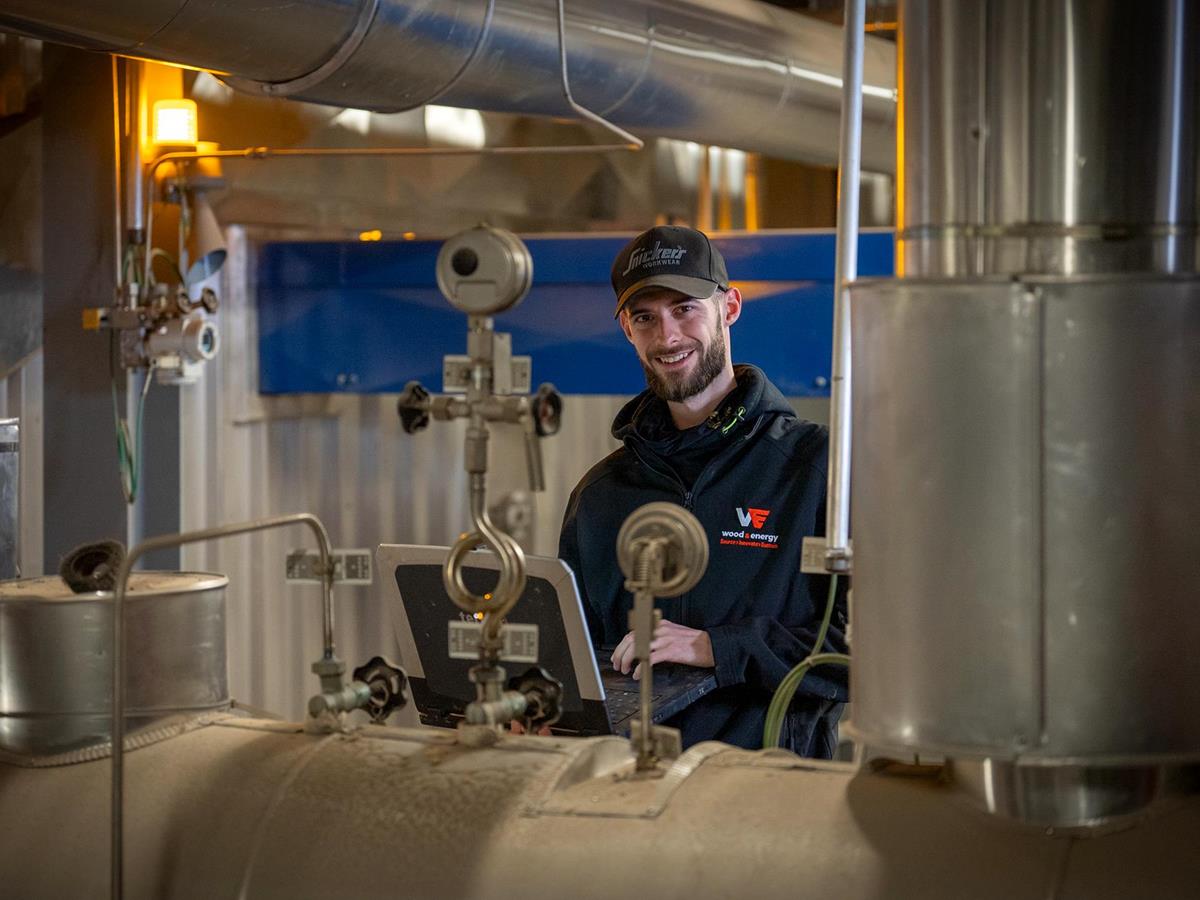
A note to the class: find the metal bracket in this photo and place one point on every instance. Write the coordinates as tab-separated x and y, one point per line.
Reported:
515	378
520	641
349	566
605	783
815	558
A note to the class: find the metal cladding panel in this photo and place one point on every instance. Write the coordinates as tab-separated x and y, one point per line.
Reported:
1122	562
1024	504
944	503
367	317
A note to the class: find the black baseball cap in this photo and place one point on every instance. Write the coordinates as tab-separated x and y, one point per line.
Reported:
669	256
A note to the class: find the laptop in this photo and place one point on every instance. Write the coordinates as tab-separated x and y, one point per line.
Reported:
546	624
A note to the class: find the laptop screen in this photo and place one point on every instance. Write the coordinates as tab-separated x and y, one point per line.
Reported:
422	616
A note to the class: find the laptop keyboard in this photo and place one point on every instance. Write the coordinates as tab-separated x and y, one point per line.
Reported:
623	695
622	705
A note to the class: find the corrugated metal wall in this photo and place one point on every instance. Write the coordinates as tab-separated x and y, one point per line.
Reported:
21	398
345	458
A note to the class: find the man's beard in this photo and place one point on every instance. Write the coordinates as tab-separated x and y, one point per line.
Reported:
712	362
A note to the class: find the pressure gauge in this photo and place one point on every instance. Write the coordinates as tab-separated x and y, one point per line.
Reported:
484	270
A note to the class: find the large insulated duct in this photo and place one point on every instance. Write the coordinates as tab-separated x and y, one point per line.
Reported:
261	811
728	72
1027	407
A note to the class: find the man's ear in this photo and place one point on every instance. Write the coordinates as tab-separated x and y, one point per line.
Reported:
731	306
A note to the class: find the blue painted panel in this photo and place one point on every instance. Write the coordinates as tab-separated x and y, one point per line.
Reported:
367	317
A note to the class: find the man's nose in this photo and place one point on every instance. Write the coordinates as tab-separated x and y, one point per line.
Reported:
668	330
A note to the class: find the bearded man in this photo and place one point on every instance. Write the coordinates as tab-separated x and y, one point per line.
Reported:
720	440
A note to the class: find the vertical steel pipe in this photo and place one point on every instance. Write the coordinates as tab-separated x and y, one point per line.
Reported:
1055	138
1026	409
837	517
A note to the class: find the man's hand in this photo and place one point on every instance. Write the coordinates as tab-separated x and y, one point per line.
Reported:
672	643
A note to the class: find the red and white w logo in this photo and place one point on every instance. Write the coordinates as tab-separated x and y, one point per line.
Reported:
752	516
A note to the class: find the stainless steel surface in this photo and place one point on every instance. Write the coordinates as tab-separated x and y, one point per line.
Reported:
226	808
945	505
54	657
1121	574
1056	137
21	396
10	498
1024	514
732	72
484	271
327	667
837	518
1067	796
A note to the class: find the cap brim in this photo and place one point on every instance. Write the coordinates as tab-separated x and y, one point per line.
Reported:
700	288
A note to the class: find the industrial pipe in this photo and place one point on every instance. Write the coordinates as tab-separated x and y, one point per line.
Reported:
837	515
735	73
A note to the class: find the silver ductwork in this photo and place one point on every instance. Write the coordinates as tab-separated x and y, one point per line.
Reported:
728	72
1054	138
1027	408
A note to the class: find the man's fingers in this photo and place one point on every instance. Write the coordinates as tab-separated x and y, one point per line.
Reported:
625	654
663	654
619	652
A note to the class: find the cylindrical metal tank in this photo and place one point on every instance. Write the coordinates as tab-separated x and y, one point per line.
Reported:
1027	409
260	810
1026	555
55	658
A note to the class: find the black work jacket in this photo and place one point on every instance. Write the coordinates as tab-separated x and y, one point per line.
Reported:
757	485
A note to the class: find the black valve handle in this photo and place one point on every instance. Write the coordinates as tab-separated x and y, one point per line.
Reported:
413	407
546	407
388	683
543	697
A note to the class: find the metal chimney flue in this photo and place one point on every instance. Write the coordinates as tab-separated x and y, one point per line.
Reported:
1027	410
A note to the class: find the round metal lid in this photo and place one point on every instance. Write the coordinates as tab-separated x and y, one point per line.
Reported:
141	584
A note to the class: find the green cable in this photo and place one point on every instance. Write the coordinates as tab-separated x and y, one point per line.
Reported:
125	463
777	711
129	447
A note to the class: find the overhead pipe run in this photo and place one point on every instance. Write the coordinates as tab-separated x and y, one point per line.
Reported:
734	73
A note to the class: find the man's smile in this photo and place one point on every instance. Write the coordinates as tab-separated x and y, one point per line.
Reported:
674	360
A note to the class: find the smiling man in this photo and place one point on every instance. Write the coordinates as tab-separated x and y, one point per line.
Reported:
720	440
